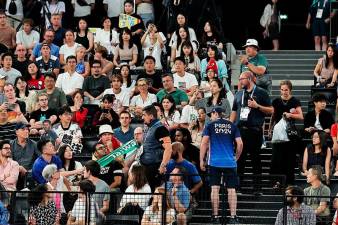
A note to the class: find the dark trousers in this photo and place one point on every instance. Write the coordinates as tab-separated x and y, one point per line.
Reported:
252	143
153	175
283	160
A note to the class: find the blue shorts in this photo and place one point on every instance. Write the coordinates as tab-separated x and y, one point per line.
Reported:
230	177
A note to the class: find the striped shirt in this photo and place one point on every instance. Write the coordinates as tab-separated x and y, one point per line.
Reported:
304	215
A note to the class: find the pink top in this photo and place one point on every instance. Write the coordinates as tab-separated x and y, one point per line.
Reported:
9	174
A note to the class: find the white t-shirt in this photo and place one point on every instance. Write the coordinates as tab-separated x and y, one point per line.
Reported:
27	39
104	39
138	101
185	82
79	210
192	35
174	118
145	7
68	83
156	49
115	8
130	88
57	8
80	11
68	50
189	114
19	8
121	99
142	200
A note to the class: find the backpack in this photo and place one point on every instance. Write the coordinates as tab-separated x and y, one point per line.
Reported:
12	9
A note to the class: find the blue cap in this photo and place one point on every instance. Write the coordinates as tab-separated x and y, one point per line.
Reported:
216	109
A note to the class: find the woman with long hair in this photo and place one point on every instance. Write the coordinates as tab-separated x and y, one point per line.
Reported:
210	36
153	213
270	21
69	47
79	112
70	168
127	84
181	22
106	36
171	116
23	94
182	36
35	80
327	67
191	152
192	62
214	60
317	153
83	36
218	98
135	204
126	51
197	128
42	209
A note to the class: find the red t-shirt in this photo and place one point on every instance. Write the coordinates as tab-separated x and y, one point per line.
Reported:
36	84
80	116
334	130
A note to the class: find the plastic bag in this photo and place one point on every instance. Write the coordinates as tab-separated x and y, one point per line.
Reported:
279	131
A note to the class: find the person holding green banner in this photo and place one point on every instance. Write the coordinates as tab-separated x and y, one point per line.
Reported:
156	147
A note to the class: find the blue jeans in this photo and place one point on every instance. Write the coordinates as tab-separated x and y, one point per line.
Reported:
146	17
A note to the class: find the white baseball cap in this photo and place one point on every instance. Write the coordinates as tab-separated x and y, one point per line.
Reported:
106	128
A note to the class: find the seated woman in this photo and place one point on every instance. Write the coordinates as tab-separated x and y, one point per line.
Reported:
131	203
141	100
106	114
128	85
170	115
126	51
317	154
326	69
82	67
71	169
153	213
23	94
107	66
210	36
192	62
213	60
42	209
35	80
153	44
83	36
69	47
107	36
79	112
319	118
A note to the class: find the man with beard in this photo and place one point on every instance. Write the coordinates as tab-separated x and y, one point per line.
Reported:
156	147
297	212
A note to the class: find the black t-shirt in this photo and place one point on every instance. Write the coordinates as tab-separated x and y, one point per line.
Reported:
155	80
108	172
21	66
96	86
280	106
39	115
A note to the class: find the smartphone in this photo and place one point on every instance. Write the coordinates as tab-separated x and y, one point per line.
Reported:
11	107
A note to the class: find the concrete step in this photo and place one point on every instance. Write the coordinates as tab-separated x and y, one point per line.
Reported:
302	66
243	219
240	212
278	61
292	52
290	70
298	56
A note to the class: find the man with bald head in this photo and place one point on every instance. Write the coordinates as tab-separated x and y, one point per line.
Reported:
251	105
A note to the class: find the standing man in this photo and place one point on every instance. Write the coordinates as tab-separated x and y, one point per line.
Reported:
219	136
297	211
156	147
250	107
257	64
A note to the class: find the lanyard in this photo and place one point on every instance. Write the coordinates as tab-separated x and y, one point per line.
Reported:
253	90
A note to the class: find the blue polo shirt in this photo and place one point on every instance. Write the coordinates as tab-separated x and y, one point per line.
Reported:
222	134
54	50
124	137
190	169
40	163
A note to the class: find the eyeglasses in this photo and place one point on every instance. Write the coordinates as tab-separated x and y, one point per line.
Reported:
243	78
44	99
7	148
141	85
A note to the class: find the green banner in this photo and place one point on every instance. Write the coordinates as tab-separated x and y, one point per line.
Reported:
128	147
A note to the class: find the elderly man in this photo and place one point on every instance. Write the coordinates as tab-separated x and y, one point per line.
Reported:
9	169
257	64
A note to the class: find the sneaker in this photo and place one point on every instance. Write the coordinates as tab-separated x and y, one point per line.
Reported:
215	219
233	220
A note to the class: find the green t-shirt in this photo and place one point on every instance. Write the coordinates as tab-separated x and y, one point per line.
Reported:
258	60
178	95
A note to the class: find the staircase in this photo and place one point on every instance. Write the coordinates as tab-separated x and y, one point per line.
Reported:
298	67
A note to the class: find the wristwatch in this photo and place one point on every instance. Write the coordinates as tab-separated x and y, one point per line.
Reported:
163	165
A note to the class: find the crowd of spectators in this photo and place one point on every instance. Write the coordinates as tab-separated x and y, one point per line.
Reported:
59	87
